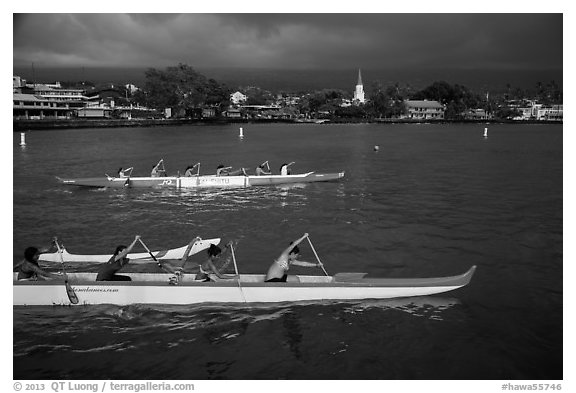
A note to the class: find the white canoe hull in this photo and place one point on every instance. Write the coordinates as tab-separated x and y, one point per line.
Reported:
252	289
175	253
203	181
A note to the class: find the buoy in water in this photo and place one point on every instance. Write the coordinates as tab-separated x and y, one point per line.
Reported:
376	147
22	139
486	132
241	132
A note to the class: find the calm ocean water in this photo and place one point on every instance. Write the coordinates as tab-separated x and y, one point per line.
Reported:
434	200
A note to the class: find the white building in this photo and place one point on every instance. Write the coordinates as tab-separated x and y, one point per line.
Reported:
237	98
359	92
536	111
131	88
424	110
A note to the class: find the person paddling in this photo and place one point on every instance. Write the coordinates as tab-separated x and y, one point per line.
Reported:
222	170
278	271
285	170
261	171
107	271
209	266
190	171
29	269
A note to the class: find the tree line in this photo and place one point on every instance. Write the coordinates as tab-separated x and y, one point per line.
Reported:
187	91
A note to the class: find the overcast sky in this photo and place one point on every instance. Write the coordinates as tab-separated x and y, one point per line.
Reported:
293	41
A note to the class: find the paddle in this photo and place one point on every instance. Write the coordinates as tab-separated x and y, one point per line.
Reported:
236	270
69	290
127	182
267	166
180	271
150	252
314	251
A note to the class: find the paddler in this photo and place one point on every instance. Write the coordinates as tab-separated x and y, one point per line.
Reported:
261	171
28	268
222	170
285	170
209	265
190	171
107	271
278	271
215	256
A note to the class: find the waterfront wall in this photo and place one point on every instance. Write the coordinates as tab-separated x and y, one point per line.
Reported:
54	124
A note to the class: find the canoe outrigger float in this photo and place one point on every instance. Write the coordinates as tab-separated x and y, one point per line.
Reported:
175	253
152	288
199	181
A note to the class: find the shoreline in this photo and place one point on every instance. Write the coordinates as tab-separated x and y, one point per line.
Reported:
58	124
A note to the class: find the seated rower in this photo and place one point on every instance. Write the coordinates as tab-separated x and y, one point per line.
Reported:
285	170
124	173
28	268
260	170
222	170
107	271
208	267
157	171
278	271
190	171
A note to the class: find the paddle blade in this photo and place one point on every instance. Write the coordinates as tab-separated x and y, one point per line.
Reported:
71	294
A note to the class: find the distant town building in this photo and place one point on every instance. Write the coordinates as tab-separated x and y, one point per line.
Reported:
359	92
476	114
30	106
287	99
233	113
345	103
53	93
131	88
208	112
554	112
237	98
424	110
18	83
536	111
94	112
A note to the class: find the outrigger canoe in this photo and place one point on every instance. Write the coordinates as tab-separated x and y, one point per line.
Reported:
151	288
202	181
175	253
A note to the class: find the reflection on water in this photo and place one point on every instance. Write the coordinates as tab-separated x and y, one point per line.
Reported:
212	322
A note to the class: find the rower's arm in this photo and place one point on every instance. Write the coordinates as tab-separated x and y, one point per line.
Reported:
305	264
188	249
295	243
286	252
220	275
41	272
128	249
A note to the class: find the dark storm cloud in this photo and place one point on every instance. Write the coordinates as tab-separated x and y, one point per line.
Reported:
490	41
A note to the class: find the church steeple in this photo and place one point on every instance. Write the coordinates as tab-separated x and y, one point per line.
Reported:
359	92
